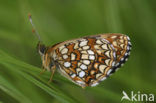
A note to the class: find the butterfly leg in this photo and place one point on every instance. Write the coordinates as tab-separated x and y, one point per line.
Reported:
52	73
43	70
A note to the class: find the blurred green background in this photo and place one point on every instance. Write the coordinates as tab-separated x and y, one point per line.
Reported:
60	20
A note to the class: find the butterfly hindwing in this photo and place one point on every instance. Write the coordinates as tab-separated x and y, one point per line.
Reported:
122	46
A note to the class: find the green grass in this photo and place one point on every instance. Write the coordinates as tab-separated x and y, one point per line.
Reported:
60	20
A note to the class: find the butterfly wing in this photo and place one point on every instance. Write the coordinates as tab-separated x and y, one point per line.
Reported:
122	46
85	61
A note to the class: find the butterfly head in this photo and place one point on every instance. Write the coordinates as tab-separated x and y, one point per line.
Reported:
47	60
41	49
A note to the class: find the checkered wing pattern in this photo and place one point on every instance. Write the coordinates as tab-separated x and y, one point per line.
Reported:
86	61
122	46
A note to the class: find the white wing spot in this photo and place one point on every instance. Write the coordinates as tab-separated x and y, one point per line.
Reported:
113	64
65	50
73	56
113	37
102	68
76	46
109	71
85	47
104	46
78	70
84	56
91	57
128	38
87	62
81	74
65	56
94	84
121	37
83	43
107	53
99	42
126	54
129	43
80	82
67	64
83	67
117	64
99	52
128	48
115	43
107	61
114	54
121	40
84	52
98	75
122	59
102	79
122	46
73	75
61	47
97	46
90	52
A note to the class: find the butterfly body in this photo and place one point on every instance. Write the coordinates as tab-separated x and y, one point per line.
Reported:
88	60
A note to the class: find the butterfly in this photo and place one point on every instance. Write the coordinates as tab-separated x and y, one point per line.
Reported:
88	60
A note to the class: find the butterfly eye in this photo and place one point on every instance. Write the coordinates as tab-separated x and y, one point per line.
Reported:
41	48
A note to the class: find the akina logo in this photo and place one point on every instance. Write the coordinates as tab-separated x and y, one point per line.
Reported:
137	96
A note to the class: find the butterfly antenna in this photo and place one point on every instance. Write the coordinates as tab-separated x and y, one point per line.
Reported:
33	29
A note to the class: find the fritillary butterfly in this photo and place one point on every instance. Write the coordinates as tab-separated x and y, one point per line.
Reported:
88	60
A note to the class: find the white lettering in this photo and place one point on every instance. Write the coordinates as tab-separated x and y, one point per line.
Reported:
138	96
133	96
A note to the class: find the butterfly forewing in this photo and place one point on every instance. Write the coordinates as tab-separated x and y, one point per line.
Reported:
86	61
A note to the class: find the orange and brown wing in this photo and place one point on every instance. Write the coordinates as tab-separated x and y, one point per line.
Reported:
122	46
86	61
